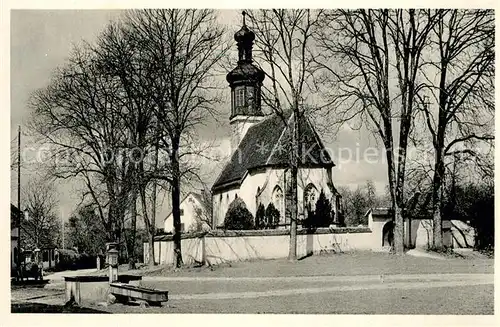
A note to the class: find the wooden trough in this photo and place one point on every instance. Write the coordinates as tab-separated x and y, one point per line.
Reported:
126	292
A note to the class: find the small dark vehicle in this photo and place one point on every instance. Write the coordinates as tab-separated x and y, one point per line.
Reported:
31	270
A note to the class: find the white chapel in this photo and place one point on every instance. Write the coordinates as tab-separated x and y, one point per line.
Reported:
257	171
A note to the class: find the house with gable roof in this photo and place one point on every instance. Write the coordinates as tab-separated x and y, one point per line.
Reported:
194	214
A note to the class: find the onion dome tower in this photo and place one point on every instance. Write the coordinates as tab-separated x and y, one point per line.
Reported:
245	82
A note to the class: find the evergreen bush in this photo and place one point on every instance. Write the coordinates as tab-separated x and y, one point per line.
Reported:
238	217
272	215
260	217
323	213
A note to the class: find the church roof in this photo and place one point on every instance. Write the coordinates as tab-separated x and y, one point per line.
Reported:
265	145
245	72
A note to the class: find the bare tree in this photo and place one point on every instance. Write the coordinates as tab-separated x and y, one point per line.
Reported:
460	82
85	232
73	116
41	226
358	66
98	127
124	59
184	46
124	106
284	45
358	201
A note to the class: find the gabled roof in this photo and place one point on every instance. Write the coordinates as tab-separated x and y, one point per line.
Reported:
198	198
385	211
265	145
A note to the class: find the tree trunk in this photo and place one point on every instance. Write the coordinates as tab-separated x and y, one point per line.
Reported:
112	232
437	236
151	235
398	229
292	253
176	201
439	169
398	244
151	249
133	226
153	202
399	226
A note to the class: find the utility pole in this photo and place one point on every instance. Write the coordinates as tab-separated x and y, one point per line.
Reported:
19	255
62	227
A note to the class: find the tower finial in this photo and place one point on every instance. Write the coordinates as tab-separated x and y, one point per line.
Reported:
244	13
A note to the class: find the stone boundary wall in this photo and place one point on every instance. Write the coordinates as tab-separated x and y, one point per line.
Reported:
219	246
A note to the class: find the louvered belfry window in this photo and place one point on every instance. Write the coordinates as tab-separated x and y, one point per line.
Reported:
240	97
251	97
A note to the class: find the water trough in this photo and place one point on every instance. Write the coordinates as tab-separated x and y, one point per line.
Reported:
93	289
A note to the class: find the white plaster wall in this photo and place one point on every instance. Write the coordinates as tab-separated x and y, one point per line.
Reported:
377	227
229	249
189	216
221	203
421	232
424	234
191	249
317	243
254	180
217	210
240	126
462	234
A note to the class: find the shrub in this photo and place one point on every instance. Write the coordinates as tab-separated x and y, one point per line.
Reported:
310	222
67	259
323	213
72	260
322	216
474	203
340	219
260	217
238	217
272	215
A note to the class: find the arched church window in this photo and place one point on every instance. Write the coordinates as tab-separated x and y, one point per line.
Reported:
279	202
310	196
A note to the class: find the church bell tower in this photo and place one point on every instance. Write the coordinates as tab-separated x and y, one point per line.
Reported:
245	82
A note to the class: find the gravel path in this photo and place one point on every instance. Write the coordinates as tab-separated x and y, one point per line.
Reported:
351	283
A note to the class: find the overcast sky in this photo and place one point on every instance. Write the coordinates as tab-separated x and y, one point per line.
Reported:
41	40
